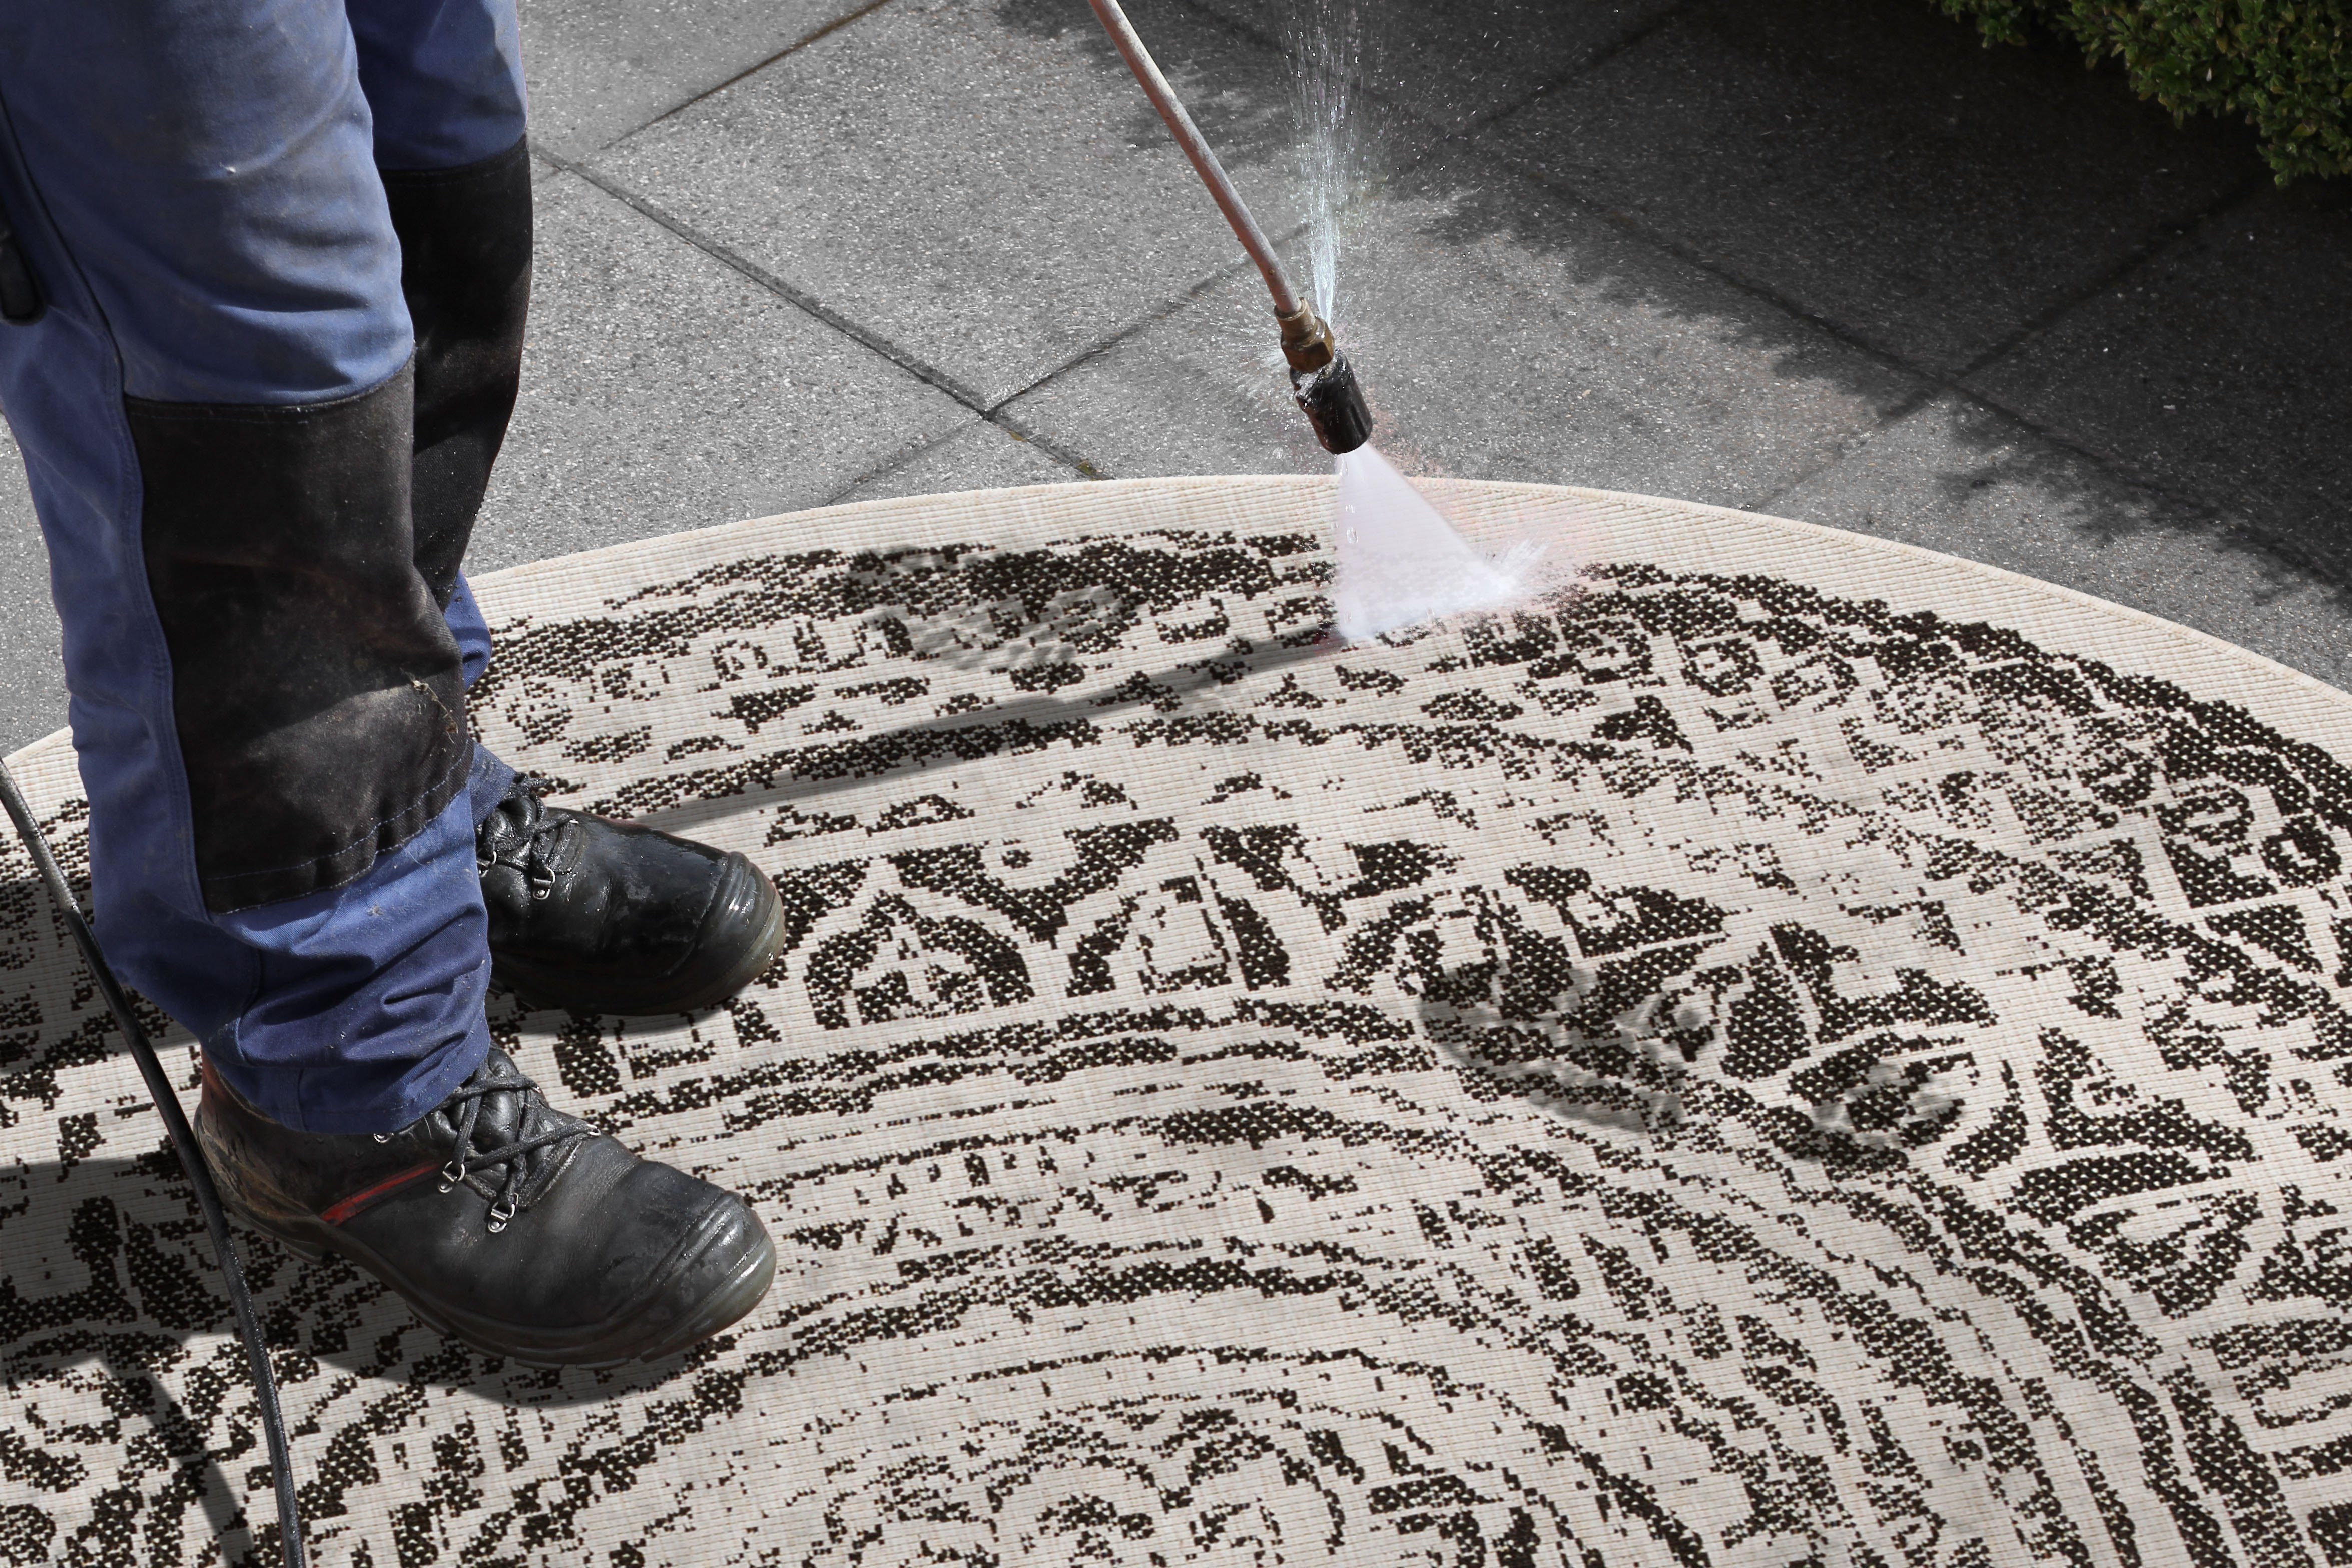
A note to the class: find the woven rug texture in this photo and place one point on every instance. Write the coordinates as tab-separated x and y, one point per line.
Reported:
1788	1051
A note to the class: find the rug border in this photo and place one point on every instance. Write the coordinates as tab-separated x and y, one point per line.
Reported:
1688	536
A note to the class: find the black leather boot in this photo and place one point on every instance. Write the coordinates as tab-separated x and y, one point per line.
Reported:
503	1222
609	917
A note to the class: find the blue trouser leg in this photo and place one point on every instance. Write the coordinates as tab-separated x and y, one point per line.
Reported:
487	783
220	409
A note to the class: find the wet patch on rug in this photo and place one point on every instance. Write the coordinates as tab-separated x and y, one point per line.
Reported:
1786	1051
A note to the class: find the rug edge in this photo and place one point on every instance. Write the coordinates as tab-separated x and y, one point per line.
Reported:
2321	707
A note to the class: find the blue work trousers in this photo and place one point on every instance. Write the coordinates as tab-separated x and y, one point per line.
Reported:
208	381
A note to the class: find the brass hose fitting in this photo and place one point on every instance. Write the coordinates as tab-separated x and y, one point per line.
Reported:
1305	342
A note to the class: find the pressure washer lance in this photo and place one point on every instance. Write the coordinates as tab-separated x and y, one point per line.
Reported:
192	1160
1320	377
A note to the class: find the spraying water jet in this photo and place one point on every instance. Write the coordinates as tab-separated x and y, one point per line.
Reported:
1321	379
1401	563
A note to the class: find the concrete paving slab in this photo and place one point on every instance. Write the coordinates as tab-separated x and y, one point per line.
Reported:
978	457
1958	477
1200	391
32	680
2223	369
663	390
1454	62
1874	165
1499	332
980	182
597	69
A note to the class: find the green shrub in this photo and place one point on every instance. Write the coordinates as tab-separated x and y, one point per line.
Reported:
2284	64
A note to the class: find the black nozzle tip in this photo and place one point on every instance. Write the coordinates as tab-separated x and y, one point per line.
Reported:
1334	405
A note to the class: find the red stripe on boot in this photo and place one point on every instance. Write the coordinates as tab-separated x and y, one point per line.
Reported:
350	1205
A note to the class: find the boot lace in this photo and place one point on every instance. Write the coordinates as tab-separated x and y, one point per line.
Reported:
539	1127
529	840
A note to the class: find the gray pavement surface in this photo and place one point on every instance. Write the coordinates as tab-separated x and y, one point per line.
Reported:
1827	258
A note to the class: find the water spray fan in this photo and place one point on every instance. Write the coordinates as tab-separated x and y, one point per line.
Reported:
1320	377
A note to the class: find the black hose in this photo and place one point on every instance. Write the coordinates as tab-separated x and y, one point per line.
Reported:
192	1160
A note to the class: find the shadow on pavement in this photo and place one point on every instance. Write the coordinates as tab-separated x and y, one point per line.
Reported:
1999	220
1715	248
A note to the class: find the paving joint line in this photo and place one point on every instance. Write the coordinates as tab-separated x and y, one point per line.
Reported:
2219	515
1910	402
1192	294
800	300
2229	527
1359	82
922	370
922	449
2167	237
2170	237
1201	287
2228	520
888	466
1591	62
1904	408
795	47
1633	228
1019	430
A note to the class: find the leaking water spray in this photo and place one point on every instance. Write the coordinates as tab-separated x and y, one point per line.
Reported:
1320	377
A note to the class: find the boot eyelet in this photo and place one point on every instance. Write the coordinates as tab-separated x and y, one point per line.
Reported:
498	1217
451	1175
382	1137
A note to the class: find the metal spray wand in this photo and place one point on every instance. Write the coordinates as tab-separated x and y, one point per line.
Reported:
1320	377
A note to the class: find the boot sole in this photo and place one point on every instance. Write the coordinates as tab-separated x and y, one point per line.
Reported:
599	1348
539	996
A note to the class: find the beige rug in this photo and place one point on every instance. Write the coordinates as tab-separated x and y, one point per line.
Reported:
1798	1051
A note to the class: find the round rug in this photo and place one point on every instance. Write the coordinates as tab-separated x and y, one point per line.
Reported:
1789	1050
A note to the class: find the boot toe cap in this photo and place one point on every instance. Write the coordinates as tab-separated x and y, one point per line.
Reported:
685	938
721	1272
683	1262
